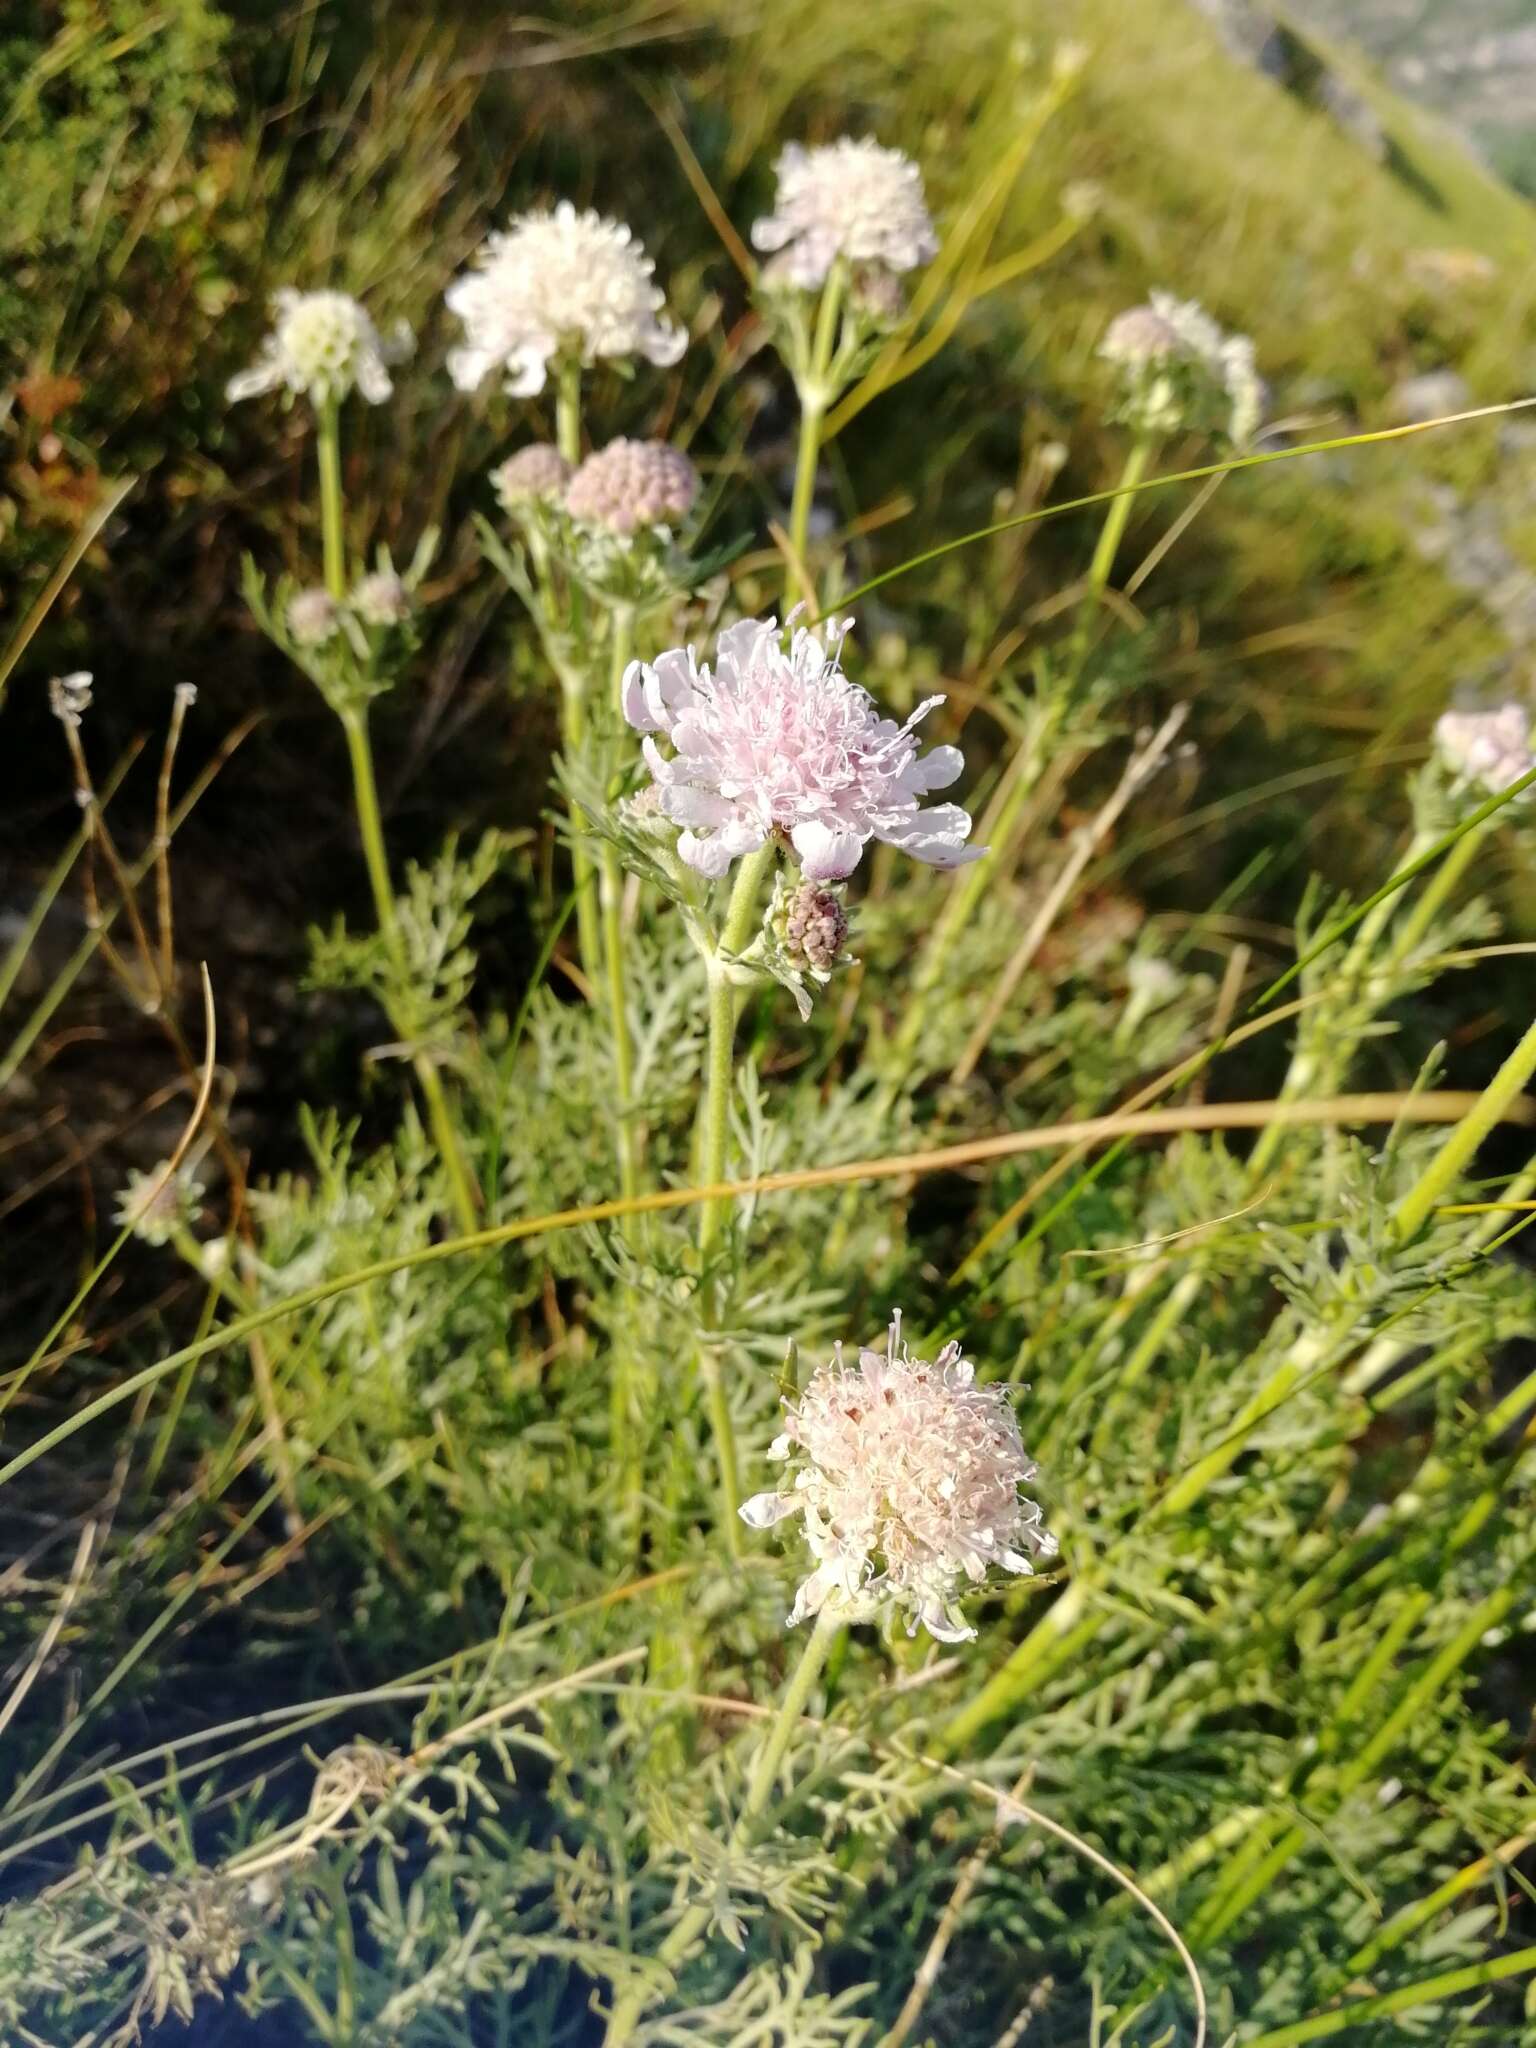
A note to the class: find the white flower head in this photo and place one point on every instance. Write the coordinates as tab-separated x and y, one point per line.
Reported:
849	198
322	347
157	1204
1490	747
1179	373
556	282
908	1484
775	740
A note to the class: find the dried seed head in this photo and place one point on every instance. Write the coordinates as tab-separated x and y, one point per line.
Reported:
313	616
69	697
537	471
633	484
908	1483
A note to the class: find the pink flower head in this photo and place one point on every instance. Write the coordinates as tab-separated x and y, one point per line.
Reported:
777	740
909	1485
1491	747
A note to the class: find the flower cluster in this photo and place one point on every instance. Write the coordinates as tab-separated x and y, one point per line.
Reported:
537	474
908	1485
776	741
322	347
631	485
1491	747
849	199
555	283
1178	372
380	599
811	924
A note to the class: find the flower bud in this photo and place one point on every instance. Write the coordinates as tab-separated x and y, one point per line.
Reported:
381	599
633	484
537	472
313	616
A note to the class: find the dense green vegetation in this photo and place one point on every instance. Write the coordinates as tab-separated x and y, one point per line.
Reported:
384	1665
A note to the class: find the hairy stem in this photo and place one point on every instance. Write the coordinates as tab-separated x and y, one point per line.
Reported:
815	396
370	825
1460	1148
740	918
748	1822
332	538
568	410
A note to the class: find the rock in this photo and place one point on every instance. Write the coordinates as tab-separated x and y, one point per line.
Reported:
1278	52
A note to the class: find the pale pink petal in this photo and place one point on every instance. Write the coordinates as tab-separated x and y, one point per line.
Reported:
936	769
707	856
764	1509
826	855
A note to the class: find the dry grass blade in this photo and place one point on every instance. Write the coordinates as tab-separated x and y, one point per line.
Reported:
1433	1106
52	1632
73	556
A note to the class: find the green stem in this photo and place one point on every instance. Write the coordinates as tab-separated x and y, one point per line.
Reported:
815	396
748	1822
1111	533
1020	777
573	721
332	538
624	1390
1443	882
568	409
1406	1998
354	720
1460	1148
740	920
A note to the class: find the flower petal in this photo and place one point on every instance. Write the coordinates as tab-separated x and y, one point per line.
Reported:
935	1618
709	856
634	694
686	804
936	769
764	1509
825	855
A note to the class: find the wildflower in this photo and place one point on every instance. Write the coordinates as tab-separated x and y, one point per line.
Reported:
313	616
1491	747
381	599
812	926
69	697
631	484
1152	982
852	199
1178	372
908	1484
560	282
538	471
322	346
156	1205
777	741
